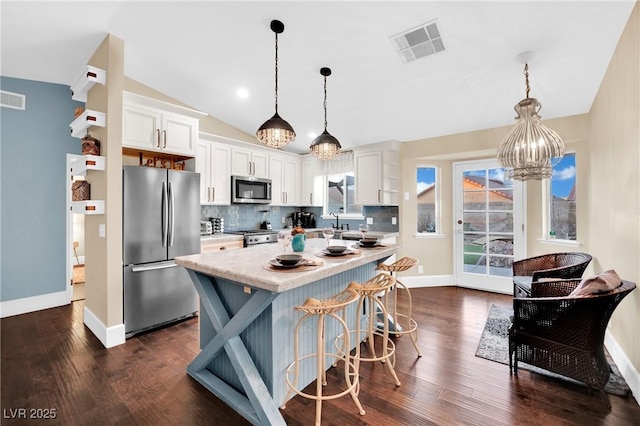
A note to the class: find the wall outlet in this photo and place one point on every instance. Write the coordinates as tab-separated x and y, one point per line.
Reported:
394	220
101	230
283	220
369	221
420	269
406	196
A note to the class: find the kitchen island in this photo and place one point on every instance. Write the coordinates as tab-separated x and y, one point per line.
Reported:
247	319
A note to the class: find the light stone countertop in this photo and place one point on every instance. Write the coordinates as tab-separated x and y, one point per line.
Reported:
246	266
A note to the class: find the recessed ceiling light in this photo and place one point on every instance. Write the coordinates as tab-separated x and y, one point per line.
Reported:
312	135
242	93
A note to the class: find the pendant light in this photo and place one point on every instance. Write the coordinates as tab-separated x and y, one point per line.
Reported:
276	132
325	146
531	149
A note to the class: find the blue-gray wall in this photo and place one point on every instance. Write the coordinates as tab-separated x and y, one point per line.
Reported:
33	148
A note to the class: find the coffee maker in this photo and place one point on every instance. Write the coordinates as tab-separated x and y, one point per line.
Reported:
305	219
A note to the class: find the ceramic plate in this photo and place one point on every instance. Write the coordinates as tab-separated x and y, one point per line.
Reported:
277	264
344	253
359	244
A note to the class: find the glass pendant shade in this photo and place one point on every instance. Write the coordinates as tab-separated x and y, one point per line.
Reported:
325	146
276	132
531	149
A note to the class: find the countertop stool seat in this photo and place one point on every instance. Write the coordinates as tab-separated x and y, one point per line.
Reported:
403	322
320	310
385	350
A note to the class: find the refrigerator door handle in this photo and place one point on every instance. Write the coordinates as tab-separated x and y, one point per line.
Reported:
171	217
145	268
165	221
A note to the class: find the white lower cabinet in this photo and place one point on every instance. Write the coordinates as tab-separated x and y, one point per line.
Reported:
213	162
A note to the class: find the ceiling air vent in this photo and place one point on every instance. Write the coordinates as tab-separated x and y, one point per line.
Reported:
12	100
418	42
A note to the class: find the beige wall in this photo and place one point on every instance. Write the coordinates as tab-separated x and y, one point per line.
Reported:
436	254
607	146
103	258
614	197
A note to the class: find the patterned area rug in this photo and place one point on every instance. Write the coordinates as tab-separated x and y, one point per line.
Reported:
494	344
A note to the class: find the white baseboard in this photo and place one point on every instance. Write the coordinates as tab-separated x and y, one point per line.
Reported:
428	281
108	336
628	371
35	303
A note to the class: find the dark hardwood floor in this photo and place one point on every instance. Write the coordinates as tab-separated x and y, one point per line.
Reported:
52	363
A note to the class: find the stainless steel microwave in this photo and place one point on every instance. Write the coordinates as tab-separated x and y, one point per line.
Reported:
250	190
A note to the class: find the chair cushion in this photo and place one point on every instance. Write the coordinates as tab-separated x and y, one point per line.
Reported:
601	283
523	281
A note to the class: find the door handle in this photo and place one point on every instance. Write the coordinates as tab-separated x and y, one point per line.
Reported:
311	198
158	138
164	135
165	221
171	218
144	268
213	193
379	196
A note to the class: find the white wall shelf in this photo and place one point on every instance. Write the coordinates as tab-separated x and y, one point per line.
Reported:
86	81
88	207
87	119
83	163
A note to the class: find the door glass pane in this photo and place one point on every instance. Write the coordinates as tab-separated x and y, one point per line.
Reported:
474	221
501	222
488	222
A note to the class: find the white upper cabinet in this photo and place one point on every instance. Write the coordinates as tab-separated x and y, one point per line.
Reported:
285	180
156	126
249	162
213	162
377	174
311	182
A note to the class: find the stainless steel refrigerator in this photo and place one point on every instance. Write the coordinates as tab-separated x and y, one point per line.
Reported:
161	220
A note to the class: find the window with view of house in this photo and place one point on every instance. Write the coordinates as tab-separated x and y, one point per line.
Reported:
426	195
561	220
340	195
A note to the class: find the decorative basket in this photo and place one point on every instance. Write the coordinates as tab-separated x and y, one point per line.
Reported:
90	146
80	190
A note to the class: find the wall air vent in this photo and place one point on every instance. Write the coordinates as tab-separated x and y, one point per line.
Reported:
418	42
12	100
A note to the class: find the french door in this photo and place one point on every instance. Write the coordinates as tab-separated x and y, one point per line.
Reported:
488	225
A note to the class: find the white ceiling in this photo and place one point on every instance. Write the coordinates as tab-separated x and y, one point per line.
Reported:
200	53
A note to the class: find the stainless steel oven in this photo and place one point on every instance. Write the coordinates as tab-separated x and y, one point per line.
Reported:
256	236
250	190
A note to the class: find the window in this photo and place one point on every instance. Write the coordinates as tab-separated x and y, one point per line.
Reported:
561	219
340	195
426	195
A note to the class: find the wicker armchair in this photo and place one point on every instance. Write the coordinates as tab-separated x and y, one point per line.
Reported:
564	334
551	265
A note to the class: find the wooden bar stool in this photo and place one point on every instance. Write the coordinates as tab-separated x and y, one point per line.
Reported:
320	309
403	321
386	351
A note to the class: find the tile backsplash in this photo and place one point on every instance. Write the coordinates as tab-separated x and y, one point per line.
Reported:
249	216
